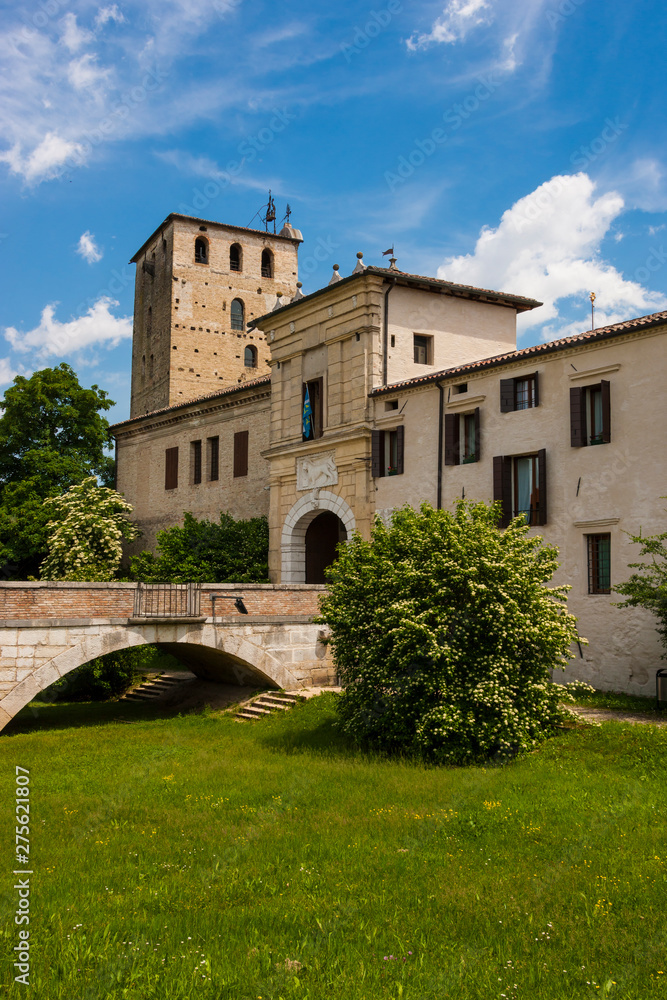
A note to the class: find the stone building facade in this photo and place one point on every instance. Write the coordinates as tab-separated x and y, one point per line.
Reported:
198	286
389	388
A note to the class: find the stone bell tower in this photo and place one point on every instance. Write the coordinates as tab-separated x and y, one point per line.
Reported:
198	285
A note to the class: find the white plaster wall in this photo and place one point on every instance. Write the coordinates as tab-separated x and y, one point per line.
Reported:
614	487
463	330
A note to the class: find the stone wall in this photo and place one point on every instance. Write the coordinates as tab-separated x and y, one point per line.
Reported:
141	457
183	343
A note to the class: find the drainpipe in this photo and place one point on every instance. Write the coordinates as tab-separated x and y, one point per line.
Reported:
385	334
441	411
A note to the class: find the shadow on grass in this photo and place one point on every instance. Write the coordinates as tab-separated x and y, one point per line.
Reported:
40	716
312	728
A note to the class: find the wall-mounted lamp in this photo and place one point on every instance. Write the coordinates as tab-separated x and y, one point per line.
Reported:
237	599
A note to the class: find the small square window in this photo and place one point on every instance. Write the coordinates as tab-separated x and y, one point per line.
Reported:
423	349
391	405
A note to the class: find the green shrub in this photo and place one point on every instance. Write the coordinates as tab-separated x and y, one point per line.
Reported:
647	588
445	635
228	552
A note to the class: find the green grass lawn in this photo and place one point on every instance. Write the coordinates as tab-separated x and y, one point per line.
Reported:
197	857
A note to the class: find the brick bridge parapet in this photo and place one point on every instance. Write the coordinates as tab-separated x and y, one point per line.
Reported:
48	629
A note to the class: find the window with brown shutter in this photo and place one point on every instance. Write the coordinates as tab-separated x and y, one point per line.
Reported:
240	454
521	393
171	468
195	460
590	414
388	453
520	484
452	422
462	438
213	449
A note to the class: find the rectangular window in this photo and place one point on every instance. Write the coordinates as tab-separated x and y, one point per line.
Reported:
520	484
312	409
519	393
195	461
526	489
423	347
599	564
462	438
387	453
240	454
590	414
213	458
171	468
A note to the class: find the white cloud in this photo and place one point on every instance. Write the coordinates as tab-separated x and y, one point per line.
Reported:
458	19
110	13
88	248
547	247
73	37
52	337
7	373
47	159
84	74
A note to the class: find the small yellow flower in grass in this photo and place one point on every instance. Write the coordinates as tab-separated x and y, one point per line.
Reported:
168	777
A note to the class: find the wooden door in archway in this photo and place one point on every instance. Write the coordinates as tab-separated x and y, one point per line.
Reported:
322	536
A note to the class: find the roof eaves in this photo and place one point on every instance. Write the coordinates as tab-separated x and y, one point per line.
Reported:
255	383
551	347
518	302
208	222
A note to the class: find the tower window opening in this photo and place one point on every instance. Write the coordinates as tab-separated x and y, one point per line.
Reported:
250	356
201	250
267	264
237	312
235	257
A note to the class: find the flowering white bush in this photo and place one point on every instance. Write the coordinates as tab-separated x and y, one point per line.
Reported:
86	534
445	635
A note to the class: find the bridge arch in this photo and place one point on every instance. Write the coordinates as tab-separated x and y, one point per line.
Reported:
211	653
297	522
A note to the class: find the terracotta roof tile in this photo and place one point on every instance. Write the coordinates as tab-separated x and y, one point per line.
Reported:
603	333
264	380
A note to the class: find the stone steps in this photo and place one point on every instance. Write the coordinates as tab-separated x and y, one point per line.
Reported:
153	688
266	704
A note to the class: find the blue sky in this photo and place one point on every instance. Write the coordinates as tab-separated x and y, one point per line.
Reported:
515	145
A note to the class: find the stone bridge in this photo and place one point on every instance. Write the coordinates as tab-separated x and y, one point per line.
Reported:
233	633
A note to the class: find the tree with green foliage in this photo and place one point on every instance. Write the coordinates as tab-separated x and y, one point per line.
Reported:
52	435
647	588
227	552
445	634
85	535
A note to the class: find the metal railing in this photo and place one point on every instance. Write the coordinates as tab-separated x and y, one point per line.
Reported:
167	600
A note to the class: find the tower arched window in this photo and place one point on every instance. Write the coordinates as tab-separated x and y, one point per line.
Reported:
267	264
237	312
201	250
235	257
250	356
149	323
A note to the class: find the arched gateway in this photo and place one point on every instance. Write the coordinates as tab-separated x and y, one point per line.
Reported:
313	527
